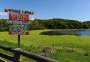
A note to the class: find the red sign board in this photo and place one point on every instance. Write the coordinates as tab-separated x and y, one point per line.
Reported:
18	22
18	17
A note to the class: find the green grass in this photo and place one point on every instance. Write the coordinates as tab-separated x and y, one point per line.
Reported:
64	48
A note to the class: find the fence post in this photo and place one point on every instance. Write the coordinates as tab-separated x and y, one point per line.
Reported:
17	55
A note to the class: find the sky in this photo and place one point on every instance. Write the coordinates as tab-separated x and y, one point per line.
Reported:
46	9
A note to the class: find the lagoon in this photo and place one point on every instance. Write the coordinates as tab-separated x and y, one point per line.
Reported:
67	32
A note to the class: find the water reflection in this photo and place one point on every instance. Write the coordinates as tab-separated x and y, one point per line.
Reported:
67	32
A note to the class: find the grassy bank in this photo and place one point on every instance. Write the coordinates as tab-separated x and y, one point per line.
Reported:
64	48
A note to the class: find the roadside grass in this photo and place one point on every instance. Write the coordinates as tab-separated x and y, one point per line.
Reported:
64	48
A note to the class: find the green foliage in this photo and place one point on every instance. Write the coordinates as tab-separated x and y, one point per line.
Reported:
86	24
36	25
64	48
59	24
55	23
3	25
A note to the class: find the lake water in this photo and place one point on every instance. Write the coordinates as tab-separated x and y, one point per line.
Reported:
68	32
82	32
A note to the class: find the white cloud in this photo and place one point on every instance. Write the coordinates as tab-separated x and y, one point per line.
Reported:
3	14
32	18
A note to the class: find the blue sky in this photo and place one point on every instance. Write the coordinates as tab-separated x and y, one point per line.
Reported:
45	9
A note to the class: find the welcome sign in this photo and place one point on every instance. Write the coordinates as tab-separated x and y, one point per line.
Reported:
19	28
18	17
18	21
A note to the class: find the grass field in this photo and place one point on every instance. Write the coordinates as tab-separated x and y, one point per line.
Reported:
64	48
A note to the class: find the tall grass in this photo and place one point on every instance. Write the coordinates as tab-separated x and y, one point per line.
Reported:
64	48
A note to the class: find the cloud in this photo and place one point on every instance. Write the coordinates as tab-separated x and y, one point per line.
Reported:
3	14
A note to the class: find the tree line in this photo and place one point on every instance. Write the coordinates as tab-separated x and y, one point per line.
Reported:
59	24
55	23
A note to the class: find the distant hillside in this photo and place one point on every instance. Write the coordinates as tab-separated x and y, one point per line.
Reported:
55	23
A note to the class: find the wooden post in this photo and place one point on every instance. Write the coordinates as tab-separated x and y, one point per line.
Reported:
17	55
18	41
